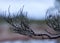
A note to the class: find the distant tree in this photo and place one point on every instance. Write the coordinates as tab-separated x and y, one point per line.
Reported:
57	5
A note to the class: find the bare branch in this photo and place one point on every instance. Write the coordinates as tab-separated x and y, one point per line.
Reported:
53	21
21	25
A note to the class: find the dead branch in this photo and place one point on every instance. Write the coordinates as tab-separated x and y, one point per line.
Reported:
21	26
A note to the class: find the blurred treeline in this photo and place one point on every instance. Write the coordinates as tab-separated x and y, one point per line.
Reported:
41	21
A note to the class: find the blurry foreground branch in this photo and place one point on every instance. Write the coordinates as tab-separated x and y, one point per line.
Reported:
21	25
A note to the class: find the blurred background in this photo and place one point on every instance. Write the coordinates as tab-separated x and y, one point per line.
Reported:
37	11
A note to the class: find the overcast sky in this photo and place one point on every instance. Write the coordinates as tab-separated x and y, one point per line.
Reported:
35	8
